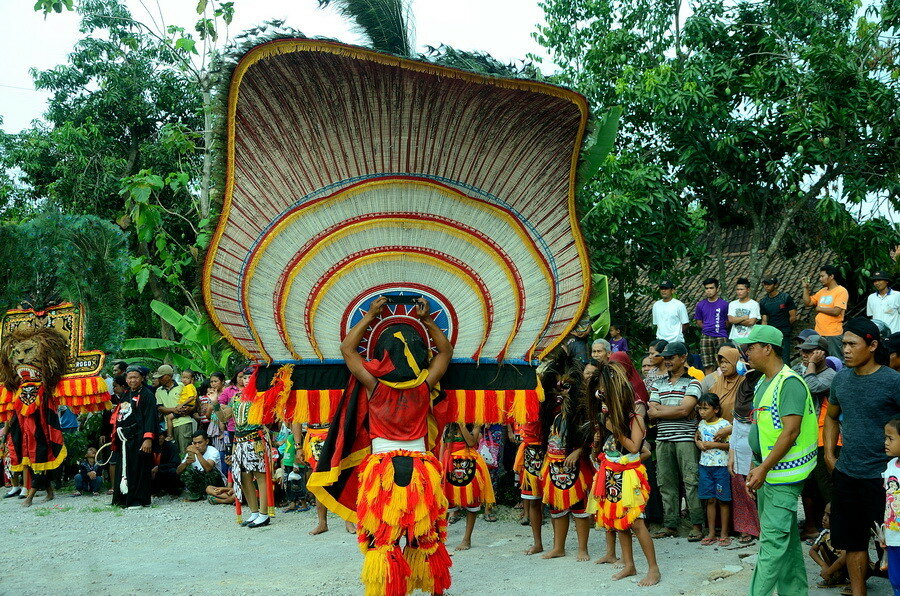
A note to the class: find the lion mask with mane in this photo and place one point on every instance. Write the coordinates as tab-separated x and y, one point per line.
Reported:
40	351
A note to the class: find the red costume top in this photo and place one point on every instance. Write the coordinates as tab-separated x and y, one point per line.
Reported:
399	414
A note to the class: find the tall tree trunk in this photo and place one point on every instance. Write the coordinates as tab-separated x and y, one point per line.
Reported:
165	330
719	250
206	182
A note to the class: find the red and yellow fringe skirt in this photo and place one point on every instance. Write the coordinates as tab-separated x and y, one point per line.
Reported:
312	445
564	488
619	493
467	481
529	459
400	496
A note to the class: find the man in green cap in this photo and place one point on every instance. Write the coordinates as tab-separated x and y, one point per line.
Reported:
784	441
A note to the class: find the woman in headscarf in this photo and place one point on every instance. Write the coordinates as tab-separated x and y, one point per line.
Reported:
135	426
744	514
727	380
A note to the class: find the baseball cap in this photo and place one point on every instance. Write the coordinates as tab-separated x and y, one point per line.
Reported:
674	348
770	280
666	284
805	334
814	342
762	334
164	370
893	343
881	275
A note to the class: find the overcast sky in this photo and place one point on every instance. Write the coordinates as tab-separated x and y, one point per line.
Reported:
27	40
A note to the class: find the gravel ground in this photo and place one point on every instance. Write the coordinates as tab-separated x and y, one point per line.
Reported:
177	547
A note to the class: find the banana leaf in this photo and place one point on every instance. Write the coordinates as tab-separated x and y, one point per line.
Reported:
598	307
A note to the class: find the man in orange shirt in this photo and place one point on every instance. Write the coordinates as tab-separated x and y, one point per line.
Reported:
830	303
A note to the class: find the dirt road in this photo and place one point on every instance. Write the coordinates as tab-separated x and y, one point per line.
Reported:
80	543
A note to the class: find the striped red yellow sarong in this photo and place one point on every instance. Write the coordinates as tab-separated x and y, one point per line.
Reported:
467	481
619	492
564	488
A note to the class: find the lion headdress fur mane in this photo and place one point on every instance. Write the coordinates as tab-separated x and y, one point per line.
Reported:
44	349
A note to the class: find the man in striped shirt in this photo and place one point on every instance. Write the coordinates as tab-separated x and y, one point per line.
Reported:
672	402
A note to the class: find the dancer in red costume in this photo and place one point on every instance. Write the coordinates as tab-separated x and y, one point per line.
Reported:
376	466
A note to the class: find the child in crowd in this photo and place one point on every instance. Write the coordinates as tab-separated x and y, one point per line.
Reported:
220	495
617	341
206	396
715	481
833	562
467	481
89	478
620	488
891	540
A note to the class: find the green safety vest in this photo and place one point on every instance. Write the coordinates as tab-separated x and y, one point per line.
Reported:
800	460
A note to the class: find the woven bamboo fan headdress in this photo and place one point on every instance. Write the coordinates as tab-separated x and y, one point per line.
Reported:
352	174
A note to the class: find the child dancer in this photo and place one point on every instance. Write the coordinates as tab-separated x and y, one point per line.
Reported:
891	540
467	482
714	479
566	473
620	489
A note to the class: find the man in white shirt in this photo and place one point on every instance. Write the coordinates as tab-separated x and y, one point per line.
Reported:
669	314
884	303
743	313
201	466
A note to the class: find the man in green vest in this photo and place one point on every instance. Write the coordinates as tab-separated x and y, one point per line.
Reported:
784	441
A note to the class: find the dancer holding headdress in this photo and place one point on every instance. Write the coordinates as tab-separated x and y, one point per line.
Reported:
377	467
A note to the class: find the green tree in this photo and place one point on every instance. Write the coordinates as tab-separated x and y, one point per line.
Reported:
749	113
73	258
129	129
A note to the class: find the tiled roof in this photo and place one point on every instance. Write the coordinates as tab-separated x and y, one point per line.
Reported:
789	271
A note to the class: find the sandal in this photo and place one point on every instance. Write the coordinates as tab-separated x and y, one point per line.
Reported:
664	533
490	517
692	537
746	539
725	541
707	541
77	493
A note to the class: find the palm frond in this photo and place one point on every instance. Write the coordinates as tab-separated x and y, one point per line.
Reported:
480	62
386	23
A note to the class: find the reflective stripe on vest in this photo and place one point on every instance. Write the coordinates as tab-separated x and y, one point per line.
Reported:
799	461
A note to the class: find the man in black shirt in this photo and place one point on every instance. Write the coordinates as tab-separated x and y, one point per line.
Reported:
778	310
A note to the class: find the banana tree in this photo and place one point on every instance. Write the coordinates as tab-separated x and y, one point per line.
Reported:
199	347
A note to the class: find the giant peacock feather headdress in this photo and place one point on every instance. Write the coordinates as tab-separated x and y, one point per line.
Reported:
351	174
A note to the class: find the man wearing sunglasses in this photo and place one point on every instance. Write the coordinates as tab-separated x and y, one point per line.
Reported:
784	441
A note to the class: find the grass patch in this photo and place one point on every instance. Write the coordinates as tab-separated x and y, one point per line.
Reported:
98	509
45	511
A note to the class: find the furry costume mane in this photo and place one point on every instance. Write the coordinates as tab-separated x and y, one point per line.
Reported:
50	358
564	369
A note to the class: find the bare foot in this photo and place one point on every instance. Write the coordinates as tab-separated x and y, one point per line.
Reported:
651	579
554	554
626	572
607	558
582	556
320	529
534	549
464	545
50	496
351	527
27	502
